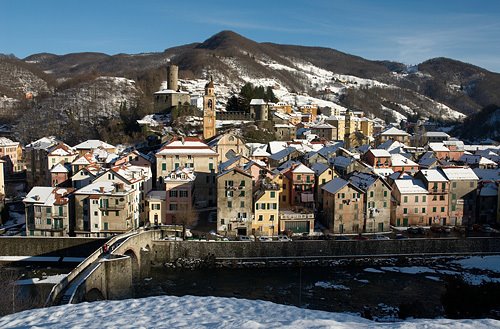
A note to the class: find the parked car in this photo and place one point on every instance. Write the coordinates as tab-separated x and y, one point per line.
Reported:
400	237
360	237
341	238
380	237
284	238
172	238
416	230
265	239
244	238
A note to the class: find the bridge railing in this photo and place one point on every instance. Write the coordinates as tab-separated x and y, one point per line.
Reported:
64	283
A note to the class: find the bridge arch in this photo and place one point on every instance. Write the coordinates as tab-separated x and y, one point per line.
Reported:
93	295
135	264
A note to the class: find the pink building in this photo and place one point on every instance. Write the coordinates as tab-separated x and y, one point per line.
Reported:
438	188
179	185
409	201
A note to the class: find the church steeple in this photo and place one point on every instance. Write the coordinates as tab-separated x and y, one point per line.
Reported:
209	118
348	129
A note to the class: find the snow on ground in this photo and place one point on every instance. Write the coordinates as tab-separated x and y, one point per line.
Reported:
330	285
467	268
208	312
52	279
398	116
490	263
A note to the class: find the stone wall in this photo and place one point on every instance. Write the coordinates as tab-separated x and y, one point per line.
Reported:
49	246
167	251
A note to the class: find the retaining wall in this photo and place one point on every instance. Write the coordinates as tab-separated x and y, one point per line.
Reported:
167	251
49	246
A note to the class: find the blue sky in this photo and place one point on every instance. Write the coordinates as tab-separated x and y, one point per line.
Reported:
405	31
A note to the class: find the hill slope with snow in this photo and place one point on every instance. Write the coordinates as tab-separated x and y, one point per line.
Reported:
208	312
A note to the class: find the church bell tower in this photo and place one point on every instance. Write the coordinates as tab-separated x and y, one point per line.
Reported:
209	111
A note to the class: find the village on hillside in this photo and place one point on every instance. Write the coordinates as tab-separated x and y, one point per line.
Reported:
329	172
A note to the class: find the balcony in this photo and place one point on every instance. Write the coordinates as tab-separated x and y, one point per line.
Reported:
112	207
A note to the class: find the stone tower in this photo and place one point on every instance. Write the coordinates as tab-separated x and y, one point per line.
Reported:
172	77
349	129
209	111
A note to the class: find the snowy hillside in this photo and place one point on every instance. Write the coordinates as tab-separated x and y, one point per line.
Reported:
208	312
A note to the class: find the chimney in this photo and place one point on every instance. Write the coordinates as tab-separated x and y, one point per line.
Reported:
101	189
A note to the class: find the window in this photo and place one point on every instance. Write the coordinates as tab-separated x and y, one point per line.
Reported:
416	198
261	217
453	207
371	194
424	198
95	213
423	210
443	186
49	221
405	210
172	193
454	184
299	177
274	205
341	206
183	193
308	179
416	210
273	194
323	181
271	218
173	206
105	226
343	195
230	204
49	210
441	197
242	204
211	166
453	196
163	166
471	184
256	206
242	193
442	209
229	183
385	204
385	193
434	209
242	183
405	199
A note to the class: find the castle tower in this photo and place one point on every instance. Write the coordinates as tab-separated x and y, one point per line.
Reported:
209	111
172	77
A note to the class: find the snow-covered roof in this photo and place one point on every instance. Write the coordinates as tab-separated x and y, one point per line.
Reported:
438	147
362	180
384	172
40	195
258	101
378	153
433	175
107	188
181	174
43	143
276	146
322	125
399	160
334	185
302	169
437	134
282	154
93	144
341	161
4	141
394	132
258	150
188	145
59	168
409	185
477	159
459	173
170	91
284	125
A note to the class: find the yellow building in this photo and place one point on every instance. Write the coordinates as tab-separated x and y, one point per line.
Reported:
266	210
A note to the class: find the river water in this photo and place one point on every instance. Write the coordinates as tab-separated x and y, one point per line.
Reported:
358	288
